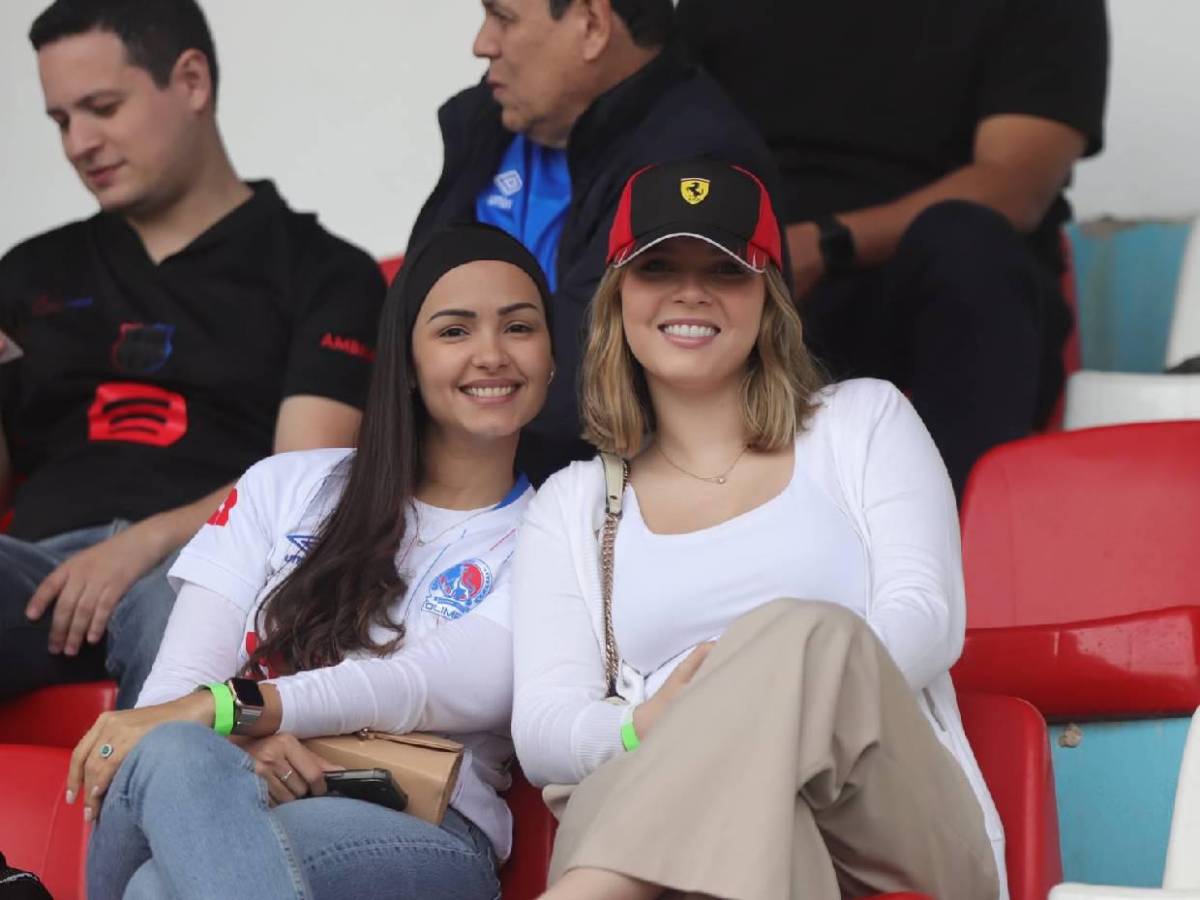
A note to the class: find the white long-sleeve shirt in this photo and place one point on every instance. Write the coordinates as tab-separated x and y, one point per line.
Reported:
452	674
868	521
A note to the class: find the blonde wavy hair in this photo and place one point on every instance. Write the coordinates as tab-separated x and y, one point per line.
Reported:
778	388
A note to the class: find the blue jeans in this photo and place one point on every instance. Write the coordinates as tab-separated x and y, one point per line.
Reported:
186	817
134	631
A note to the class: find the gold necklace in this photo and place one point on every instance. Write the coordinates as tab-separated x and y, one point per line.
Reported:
424	541
711	479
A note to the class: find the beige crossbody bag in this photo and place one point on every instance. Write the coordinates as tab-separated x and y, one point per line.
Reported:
425	766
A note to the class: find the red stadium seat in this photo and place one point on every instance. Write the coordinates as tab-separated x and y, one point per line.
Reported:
524	875
55	716
1008	736
1009	739
390	266
1081	547
38	831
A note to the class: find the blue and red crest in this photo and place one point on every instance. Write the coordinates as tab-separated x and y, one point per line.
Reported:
142	349
459	589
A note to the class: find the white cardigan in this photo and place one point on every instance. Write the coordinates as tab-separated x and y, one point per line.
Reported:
868	450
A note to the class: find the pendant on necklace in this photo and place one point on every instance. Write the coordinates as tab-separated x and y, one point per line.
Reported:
720	479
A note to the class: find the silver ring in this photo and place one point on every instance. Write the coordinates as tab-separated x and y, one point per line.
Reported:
106	750
285	776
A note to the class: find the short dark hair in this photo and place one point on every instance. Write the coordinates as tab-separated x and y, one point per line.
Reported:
651	22
155	32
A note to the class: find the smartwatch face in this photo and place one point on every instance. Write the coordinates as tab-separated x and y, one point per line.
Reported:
248	692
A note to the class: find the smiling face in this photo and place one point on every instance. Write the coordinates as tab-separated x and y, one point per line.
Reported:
537	68
134	145
481	351
691	314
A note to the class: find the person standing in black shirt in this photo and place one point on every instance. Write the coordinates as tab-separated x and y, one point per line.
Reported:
193	326
924	147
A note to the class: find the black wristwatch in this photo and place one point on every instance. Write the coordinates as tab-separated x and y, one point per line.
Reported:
247	703
837	245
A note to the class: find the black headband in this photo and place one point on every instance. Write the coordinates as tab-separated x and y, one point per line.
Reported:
455	246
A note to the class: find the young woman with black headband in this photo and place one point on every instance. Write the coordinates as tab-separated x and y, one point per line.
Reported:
370	589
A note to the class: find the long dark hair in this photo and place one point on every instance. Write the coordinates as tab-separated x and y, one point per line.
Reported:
326	607
347	581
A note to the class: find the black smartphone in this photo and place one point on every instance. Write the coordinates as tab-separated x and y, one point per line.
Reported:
372	785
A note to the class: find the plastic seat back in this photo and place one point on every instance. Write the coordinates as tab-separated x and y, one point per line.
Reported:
524	875
1083	525
55	716
38	831
1009	739
390	267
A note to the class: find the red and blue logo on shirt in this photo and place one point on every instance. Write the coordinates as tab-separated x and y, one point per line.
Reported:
459	589
142	348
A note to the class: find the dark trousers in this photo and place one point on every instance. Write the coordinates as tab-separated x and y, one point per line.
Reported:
134	632
963	318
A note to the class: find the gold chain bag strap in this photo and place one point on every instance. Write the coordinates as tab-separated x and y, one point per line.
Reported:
616	476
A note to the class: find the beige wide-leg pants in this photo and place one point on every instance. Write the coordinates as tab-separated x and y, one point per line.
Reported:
797	764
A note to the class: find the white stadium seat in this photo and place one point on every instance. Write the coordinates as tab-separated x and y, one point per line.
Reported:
1116	398
1184	340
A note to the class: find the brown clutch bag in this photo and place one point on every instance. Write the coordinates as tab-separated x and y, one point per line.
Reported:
425	766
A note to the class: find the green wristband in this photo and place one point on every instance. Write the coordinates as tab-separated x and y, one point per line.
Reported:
629	737
223	713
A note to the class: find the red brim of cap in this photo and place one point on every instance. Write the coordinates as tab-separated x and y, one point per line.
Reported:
751	256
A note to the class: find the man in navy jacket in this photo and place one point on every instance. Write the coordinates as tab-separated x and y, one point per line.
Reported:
579	94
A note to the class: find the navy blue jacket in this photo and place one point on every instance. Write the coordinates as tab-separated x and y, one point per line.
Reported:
669	110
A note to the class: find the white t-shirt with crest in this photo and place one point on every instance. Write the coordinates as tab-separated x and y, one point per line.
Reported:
453	672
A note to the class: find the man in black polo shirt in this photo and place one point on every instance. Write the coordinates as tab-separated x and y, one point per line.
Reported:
191	327
578	95
924	145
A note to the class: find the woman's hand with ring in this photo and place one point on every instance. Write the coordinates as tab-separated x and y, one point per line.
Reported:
99	755
290	769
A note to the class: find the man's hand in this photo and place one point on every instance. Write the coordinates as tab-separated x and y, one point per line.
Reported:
290	769
87	587
648	713
808	266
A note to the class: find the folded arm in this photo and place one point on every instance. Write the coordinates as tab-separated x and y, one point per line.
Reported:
1020	164
894	473
562	727
457	679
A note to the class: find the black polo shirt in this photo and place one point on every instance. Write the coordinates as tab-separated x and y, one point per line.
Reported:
144	387
863	101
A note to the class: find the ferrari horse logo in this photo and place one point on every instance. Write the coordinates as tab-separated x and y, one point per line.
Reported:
694	190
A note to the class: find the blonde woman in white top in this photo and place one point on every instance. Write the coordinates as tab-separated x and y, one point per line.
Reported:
698	733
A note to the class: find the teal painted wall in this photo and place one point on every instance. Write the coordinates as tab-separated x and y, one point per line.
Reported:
1116	791
1126	278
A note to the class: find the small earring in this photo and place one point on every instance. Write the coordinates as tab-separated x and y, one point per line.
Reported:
550	380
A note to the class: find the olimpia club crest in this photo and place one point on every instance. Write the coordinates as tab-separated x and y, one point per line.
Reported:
459	589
